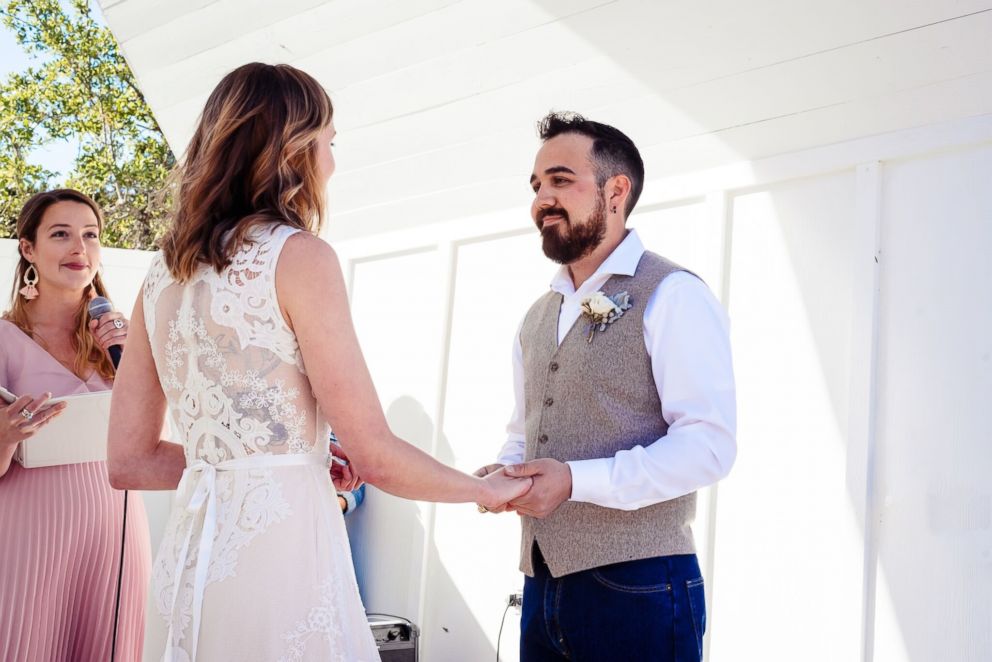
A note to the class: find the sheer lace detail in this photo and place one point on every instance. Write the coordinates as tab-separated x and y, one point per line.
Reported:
322	623
157	279
249	502
259	414
244	297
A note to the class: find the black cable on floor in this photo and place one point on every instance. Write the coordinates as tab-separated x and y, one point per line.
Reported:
499	637
120	581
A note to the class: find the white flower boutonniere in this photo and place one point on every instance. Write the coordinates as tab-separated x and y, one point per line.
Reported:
602	310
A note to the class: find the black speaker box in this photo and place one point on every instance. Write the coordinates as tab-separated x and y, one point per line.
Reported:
396	638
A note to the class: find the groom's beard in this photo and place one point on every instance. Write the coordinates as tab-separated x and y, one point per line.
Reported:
564	242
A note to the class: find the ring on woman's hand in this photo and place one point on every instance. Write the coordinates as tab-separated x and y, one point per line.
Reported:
118	324
27	414
482	509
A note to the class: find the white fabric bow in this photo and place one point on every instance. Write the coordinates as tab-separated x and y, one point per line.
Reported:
205	494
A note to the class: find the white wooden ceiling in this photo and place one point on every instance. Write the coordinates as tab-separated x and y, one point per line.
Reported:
436	100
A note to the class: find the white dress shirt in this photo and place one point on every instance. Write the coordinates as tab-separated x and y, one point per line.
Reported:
686	336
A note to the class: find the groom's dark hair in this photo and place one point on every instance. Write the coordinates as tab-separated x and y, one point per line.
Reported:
613	153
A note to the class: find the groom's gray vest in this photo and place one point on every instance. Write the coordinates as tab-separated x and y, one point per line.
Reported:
591	400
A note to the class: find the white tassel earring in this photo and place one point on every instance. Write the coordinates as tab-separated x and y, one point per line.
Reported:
29	291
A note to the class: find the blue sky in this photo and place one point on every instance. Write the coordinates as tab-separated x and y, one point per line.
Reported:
58	156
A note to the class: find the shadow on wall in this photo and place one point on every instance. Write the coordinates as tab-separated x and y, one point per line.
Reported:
932	488
387	532
387	540
791	313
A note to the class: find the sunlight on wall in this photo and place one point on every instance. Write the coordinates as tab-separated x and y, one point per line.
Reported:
785	508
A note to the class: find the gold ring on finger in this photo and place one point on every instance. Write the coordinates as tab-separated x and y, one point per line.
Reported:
482	509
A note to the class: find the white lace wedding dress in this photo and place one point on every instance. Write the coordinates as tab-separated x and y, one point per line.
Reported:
255	563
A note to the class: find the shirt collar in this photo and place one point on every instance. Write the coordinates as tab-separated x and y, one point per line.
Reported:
621	262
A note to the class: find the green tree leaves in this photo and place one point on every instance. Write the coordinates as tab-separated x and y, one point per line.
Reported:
81	90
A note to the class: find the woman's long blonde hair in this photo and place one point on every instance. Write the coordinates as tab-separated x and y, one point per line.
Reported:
252	160
89	355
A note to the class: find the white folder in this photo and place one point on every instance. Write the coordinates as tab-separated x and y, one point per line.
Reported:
78	434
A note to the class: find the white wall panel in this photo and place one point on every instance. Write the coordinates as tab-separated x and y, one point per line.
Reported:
398	312
935	541
689	234
786	509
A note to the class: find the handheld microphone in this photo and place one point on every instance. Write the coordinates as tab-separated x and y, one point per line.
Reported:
100	306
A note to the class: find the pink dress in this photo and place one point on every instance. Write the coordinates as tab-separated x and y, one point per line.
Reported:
60	539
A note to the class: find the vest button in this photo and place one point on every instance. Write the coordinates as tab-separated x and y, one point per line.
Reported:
554	367
548	402
543	439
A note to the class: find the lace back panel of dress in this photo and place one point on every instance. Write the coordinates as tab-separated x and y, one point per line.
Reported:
229	364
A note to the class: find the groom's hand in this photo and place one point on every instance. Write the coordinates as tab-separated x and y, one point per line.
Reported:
485	471
552	486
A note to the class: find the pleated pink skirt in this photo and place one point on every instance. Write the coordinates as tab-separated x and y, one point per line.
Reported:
60	542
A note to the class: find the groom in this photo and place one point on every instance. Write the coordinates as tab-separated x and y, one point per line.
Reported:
625	407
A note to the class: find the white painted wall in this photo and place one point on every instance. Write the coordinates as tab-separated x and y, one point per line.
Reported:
934	419
435	100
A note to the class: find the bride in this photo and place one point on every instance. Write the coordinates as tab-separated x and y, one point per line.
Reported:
247	342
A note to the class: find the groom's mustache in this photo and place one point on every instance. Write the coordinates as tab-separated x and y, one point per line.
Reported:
550	211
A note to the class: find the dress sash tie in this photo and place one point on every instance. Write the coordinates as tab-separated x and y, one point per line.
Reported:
205	495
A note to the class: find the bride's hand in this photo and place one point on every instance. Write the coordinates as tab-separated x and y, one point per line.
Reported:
503	489
482	472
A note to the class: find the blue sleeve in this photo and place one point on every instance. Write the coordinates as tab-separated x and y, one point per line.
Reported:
353	499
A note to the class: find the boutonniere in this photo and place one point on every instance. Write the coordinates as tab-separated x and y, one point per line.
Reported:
602	310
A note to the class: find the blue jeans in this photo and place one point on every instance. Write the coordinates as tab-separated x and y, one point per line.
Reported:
652	610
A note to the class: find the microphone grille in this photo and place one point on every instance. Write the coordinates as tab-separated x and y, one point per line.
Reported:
99	306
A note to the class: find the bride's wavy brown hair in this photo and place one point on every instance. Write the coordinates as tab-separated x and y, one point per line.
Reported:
251	161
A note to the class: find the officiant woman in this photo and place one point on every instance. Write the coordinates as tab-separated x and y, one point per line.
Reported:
61	526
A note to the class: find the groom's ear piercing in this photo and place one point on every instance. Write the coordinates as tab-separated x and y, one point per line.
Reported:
613	209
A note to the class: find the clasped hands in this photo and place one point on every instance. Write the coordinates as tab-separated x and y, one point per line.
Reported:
548	483
551	486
